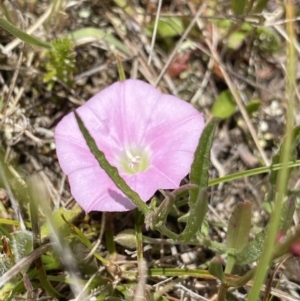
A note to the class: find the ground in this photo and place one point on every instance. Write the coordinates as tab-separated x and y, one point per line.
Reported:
227	63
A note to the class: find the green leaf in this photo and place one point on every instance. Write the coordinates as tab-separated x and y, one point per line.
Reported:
253	106
121	71
111	171
22	244
239	226
196	217
252	251
276	158
216	268
238	6
59	219
167	27
126	238
252	172
224	106
199	176
287	212
22	35
238	231
88	34
201	163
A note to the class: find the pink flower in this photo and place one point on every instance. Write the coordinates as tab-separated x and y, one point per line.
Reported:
148	136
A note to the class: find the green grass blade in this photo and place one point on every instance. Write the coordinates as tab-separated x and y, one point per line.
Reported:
23	35
252	172
283	176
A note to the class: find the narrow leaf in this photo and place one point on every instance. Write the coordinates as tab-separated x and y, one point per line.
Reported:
254	248
88	34
167	27
22	35
216	268
238	232
111	171
196	217
287	212
121	71
252	172
239	227
200	165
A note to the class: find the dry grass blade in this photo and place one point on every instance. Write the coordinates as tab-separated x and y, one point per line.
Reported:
183	37
154	31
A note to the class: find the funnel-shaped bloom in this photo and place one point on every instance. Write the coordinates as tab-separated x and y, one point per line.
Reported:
148	136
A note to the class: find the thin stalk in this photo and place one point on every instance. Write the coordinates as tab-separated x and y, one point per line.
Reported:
266	256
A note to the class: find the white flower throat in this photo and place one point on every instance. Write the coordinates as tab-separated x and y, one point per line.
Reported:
134	160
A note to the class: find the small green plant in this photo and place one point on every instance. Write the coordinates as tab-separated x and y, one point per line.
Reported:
61	63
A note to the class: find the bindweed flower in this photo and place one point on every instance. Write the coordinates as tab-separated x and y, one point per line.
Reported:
148	136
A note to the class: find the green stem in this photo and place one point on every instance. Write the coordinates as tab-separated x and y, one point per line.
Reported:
266	256
222	293
241	281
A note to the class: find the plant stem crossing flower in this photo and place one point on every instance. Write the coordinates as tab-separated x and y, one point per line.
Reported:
148	136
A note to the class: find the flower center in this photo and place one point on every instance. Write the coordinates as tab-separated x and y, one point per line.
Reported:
134	160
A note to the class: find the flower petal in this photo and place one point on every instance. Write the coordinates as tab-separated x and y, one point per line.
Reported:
95	191
158	180
124	108
129	114
175	149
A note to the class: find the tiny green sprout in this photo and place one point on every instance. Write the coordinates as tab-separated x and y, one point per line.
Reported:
61	63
